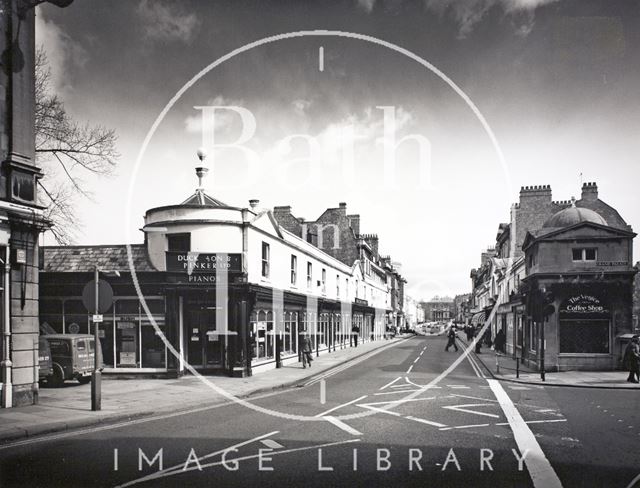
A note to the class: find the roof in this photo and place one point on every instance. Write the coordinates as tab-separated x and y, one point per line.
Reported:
81	259
201	198
574	215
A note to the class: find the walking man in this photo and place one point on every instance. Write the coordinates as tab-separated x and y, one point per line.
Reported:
631	359
306	349
451	339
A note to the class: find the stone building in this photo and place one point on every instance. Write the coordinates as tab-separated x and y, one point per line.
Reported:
439	309
511	286
21	217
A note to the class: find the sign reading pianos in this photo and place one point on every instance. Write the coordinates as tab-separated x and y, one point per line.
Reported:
203	268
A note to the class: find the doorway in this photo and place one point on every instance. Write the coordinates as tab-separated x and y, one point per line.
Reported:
205	349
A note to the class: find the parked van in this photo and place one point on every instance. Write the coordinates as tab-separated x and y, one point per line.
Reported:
45	362
73	357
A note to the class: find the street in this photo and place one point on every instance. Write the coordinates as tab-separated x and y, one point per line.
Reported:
389	418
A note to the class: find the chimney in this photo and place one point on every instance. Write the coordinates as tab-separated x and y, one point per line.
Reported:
254	204
343	208
590	192
354	223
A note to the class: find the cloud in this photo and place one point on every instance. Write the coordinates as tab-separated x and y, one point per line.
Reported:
222	120
468	13
167	22
366	5
63	54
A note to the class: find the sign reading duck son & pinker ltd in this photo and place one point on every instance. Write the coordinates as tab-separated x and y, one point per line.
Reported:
203	263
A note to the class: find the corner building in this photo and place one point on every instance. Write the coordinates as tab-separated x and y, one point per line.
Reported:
230	288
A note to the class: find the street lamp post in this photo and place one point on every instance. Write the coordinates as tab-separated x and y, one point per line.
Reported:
96	376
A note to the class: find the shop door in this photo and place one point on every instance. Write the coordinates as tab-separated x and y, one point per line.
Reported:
206	347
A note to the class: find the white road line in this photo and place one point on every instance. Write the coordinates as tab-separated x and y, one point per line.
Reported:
381	410
340	406
323	391
459	387
542	473
537	421
416	360
426	387
423	421
391	383
271	444
545	410
394	392
178	467
519	387
474	398
466	426
410	368
398	402
461	408
340	424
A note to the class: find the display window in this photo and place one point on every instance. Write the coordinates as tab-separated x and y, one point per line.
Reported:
585	336
262	335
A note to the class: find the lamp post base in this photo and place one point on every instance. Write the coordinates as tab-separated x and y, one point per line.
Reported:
96	391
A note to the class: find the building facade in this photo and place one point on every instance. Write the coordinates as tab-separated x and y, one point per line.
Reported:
223	290
535	283
439	309
22	219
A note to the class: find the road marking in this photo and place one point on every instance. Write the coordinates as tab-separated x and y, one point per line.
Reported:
541	472
426	387
340	406
271	444
519	387
545	410
459	387
410	368
323	391
461	408
466	426
537	421
380	410
423	421
474	398
391	383
179	467
475	366
340	424
395	392
634	481
321	58
398	402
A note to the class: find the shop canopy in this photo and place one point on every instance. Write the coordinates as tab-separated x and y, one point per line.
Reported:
478	318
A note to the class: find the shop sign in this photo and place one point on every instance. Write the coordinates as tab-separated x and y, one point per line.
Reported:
128	358
360	301
582	306
202	263
612	263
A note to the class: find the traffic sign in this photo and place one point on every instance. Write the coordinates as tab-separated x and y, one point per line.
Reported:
105	294
97	318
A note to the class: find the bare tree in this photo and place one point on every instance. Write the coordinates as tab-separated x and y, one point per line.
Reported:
67	151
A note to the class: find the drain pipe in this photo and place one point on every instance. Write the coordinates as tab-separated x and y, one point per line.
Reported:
6	365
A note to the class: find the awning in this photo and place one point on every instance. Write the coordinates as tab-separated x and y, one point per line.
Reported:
478	318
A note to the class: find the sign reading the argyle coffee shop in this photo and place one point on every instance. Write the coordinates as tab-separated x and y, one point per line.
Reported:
197	263
583	306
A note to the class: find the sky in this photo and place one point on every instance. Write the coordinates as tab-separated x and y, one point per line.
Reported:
426	125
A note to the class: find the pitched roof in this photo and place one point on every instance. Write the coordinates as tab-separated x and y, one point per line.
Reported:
80	259
201	198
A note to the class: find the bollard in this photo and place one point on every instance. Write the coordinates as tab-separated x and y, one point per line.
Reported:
517	368
497	365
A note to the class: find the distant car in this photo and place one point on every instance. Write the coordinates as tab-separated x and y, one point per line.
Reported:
45	362
72	356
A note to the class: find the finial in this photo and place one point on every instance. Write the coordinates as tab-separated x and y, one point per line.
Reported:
573	202
202	153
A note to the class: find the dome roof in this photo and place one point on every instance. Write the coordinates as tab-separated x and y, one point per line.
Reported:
572	216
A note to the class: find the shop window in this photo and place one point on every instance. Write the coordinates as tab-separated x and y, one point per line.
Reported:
179	242
265	259
262	335
585	254
290	336
294	269
584	336
153	348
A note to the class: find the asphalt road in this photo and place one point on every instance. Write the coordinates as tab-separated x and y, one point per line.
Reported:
405	416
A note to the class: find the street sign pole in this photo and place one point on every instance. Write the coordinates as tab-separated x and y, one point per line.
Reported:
96	376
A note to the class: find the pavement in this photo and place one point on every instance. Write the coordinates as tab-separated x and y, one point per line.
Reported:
505	368
69	407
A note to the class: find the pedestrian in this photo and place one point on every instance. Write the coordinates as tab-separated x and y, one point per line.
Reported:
451	339
500	341
631	359
478	339
355	330
306	349
469	330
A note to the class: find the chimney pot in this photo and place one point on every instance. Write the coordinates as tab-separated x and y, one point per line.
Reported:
253	203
